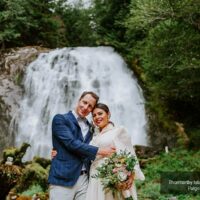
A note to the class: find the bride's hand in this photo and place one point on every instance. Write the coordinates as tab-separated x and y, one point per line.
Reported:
53	153
126	185
129	182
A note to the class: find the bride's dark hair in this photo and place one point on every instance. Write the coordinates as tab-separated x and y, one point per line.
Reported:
105	108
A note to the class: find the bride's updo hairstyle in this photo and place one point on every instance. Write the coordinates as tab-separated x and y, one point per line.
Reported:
105	108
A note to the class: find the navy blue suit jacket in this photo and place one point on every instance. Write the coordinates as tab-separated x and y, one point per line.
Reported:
72	150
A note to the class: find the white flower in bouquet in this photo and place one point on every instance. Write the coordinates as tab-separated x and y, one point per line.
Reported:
122	176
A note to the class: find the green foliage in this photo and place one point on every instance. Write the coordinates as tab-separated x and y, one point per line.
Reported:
29	23
33	189
33	174
45	163
45	22
170	48
18	77
11	18
146	14
177	160
165	38
77	24
172	64
109	22
194	135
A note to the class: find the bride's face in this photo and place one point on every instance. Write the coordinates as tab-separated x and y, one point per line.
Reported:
100	117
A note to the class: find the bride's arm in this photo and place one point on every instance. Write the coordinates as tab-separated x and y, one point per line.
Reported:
122	141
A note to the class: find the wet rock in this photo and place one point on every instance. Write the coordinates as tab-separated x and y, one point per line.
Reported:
13	63
16	60
146	151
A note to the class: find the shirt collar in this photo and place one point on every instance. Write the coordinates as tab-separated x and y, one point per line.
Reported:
78	118
75	114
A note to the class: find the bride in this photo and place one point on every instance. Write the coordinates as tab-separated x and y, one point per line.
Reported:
108	135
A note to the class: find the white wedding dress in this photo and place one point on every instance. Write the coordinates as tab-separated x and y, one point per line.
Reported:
110	136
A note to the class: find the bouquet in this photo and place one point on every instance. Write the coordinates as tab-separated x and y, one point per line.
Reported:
115	171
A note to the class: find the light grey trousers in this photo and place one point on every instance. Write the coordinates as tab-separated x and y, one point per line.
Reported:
76	192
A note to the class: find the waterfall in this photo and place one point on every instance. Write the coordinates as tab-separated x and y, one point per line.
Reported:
54	82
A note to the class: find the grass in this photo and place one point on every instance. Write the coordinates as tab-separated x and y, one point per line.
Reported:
178	160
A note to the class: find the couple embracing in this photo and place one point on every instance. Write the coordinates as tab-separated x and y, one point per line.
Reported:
77	147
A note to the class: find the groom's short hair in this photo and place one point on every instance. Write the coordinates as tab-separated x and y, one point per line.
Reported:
94	95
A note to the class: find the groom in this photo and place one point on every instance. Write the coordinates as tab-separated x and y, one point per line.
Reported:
68	176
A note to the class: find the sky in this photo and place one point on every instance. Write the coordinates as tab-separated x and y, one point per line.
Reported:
86	3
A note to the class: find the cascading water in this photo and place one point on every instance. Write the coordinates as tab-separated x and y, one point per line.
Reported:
54	82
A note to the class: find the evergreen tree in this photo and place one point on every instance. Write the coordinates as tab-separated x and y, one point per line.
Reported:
29	23
109	20
77	23
168	50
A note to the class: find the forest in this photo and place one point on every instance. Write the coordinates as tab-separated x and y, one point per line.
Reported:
160	41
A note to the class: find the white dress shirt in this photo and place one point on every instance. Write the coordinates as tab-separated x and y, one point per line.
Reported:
82	122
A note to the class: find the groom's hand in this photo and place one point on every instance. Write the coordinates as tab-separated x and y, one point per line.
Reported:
53	153
106	151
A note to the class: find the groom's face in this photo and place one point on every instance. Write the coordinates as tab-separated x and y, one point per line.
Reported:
85	105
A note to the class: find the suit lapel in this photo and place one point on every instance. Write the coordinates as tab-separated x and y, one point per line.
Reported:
74	120
88	136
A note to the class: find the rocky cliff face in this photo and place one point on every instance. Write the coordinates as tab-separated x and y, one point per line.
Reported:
13	63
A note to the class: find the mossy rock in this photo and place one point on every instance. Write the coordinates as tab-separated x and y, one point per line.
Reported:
38	196
33	174
36	192
16	153
9	177
42	161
